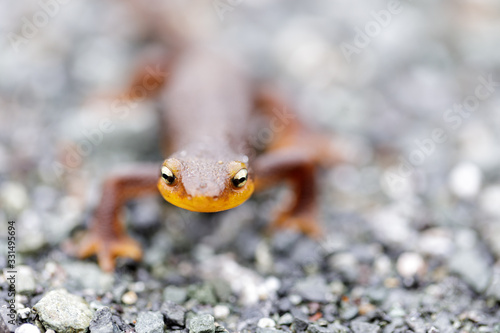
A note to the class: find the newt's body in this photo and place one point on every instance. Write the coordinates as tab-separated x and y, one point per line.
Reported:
207	104
207	134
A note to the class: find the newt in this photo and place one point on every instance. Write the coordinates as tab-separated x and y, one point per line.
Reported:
207	105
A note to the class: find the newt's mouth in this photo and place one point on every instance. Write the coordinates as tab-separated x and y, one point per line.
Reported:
230	198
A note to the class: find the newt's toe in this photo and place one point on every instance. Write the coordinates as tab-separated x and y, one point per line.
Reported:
107	249
304	223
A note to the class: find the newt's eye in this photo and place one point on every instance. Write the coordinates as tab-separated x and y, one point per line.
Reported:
167	175
240	178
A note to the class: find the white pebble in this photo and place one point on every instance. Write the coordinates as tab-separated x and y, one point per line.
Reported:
27	328
382	265
465	180
410	264
295	299
129	298
466	239
489	200
13	196
266	323
24	313
436	241
221	311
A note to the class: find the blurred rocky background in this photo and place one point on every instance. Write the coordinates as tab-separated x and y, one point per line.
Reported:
412	232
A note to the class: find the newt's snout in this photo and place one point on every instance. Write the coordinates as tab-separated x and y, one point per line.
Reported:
205	185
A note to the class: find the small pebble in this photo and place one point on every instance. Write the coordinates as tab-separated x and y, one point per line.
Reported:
299	325
175	294
221	311
473	268
129	298
13	196
25	282
101	321
410	264
266	323
63	312
286	319
346	264
173	313
361	327
295	299
150	322
24	313
349	312
489	199
202	324
313	328
312	288
204	294
465	180
27	328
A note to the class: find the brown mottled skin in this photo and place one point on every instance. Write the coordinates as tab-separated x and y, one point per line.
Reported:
208	103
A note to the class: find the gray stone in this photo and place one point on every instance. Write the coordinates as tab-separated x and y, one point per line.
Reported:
416	323
63	312
101	322
221	329
299	325
221	311
268	330
346	264
25	282
150	322
6	318
313	328
338	328
443	323
362	327
306	252
174	314
204	294
313	288
284	240
202	324
85	275
175	294
473	268
349	312
27	328
494	288
222	289
286	319
266	322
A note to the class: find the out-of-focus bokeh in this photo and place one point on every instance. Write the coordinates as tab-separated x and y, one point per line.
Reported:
415	221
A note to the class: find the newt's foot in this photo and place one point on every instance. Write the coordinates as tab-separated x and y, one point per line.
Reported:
305	223
106	249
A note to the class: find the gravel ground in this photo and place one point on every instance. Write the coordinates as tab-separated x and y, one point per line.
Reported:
412	232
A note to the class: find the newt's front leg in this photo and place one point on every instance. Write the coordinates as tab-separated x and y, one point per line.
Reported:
293	158
107	237
297	168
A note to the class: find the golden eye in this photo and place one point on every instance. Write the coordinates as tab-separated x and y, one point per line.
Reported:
167	175
240	178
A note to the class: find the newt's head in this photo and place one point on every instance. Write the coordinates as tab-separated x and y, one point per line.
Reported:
204	185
